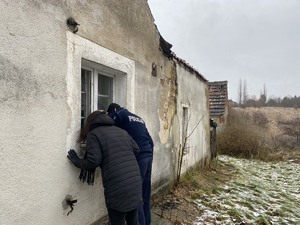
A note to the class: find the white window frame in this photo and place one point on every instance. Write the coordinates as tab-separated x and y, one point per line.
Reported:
80	51
94	78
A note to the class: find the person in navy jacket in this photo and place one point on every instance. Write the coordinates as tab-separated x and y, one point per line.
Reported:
136	128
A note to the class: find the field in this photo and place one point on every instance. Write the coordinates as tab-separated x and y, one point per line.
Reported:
280	121
280	127
261	133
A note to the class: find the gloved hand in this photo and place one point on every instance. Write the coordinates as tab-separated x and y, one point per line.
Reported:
72	155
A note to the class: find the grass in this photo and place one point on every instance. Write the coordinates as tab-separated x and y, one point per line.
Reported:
197	183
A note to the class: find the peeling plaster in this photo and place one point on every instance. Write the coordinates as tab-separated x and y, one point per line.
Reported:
167	108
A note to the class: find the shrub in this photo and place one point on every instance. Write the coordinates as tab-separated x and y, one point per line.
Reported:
260	119
243	137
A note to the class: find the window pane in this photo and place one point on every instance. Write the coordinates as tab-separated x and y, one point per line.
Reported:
85	95
105	85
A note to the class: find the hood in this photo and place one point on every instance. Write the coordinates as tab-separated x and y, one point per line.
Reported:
104	120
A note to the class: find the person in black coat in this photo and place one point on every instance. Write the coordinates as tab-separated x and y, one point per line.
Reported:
113	150
136	128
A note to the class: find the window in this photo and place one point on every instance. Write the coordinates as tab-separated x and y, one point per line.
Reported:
96	91
184	122
105	86
85	61
85	94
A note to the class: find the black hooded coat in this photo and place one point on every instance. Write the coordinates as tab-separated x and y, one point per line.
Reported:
113	150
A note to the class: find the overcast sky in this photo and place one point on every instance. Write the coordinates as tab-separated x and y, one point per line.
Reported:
253	40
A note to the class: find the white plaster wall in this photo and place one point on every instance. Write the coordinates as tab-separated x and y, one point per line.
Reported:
39	91
34	177
192	94
35	118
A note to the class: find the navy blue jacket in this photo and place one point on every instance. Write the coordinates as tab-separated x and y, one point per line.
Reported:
136	128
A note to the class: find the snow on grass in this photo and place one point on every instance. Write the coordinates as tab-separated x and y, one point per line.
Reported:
261	193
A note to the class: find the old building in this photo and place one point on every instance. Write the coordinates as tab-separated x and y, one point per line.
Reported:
218	101
61	60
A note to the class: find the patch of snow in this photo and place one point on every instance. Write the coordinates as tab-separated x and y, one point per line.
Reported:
261	191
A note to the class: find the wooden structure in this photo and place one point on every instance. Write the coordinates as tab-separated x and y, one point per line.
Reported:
218	98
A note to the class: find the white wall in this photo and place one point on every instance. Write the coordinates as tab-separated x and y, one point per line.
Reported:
35	175
192	94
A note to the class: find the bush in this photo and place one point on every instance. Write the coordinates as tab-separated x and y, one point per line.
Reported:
260	119
243	137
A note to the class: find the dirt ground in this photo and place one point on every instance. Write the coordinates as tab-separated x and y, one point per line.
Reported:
178	207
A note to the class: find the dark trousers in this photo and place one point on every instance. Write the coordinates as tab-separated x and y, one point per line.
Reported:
119	218
145	165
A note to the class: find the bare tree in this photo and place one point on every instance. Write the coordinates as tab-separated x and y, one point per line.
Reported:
245	92
183	148
265	91
240	92
263	96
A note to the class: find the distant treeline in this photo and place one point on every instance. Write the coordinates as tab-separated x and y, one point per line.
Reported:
290	102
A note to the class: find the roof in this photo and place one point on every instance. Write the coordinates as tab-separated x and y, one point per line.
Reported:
186	65
217	97
166	48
